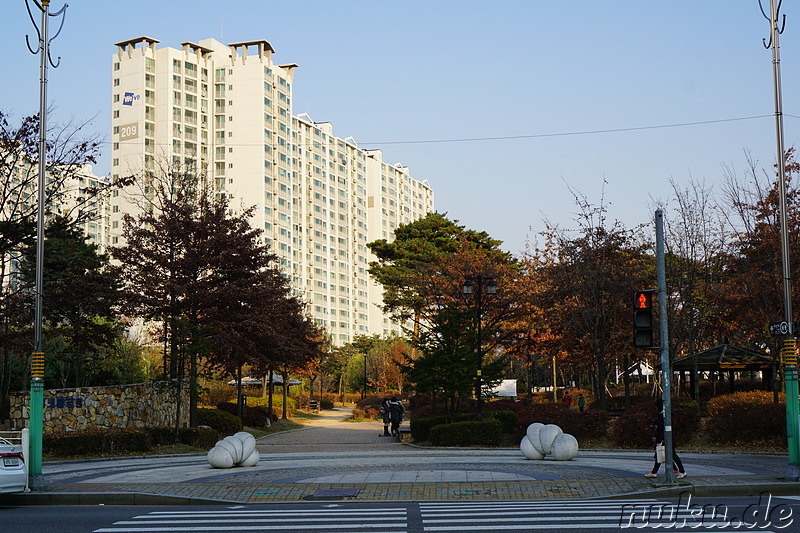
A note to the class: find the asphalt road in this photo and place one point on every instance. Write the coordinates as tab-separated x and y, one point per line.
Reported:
719	514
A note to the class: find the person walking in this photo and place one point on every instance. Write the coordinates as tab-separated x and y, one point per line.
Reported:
658	439
384	411
566	399
581	402
396	412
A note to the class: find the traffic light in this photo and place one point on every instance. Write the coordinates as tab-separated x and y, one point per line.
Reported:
643	319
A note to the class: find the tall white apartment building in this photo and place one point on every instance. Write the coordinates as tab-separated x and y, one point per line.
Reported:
227	111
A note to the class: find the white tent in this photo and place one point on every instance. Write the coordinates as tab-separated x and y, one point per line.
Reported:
506	389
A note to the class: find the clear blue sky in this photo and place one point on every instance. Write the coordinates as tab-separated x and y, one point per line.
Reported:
387	72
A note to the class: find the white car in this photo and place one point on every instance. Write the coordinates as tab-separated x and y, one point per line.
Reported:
13	475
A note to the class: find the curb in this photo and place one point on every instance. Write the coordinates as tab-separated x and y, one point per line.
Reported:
139	498
105	498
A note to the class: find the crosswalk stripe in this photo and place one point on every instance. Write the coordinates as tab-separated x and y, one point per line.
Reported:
294	512
161	520
295	527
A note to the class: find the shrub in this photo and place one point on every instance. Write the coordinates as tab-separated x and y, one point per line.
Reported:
746	416
485	433
199	437
277	404
421	427
507	418
254	416
582	426
374	400
96	441
217	391
325	404
636	428
359	414
224	422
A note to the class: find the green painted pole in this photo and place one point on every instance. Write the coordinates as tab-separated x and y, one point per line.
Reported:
36	422
792	407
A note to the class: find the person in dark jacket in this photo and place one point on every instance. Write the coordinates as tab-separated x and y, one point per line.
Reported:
384	410
395	414
658	438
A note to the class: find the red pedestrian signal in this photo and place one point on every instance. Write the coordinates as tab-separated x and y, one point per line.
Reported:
643	319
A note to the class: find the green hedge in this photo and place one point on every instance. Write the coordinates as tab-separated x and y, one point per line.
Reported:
421	427
225	423
199	437
96	441
121	441
485	433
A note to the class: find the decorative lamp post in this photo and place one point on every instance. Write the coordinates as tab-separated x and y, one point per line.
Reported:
479	283
37	358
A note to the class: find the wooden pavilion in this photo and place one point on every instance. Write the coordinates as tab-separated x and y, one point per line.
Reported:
720	360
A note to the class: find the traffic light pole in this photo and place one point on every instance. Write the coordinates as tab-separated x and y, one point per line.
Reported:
666	369
789	350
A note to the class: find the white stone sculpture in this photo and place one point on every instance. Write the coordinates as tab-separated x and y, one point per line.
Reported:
546	437
529	450
236	450
220	458
565	447
533	436
541	440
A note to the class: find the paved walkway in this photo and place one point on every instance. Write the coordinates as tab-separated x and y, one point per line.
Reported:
335	459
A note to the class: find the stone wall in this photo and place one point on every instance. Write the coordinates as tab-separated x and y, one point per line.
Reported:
119	406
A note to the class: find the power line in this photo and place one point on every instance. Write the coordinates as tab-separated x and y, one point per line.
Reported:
570	133
513	137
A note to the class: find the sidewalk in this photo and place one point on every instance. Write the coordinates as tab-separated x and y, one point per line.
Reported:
341	460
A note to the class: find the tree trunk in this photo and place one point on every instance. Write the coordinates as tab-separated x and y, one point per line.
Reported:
271	391
627	381
239	402
285	376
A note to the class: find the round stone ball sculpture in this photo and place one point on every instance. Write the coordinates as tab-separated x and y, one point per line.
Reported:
529	450
533	436
546	437
252	459
565	447
238	454
227	445
219	457
248	443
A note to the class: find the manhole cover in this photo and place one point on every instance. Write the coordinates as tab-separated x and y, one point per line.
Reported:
333	494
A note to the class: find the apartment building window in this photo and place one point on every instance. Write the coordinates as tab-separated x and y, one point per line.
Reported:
176	66
191	69
176	81
116	114
116	82
116	66
116	98
150	81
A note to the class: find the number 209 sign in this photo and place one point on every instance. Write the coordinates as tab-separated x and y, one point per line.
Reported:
128	131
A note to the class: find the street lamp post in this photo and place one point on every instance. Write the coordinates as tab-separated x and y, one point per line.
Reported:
37	357
478	283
